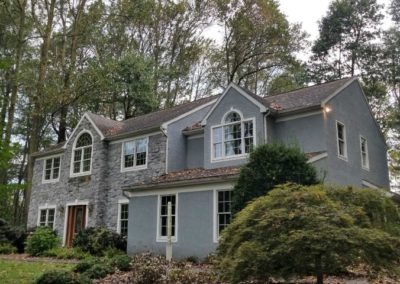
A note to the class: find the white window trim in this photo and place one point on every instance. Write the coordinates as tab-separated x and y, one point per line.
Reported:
134	168
366	153
345	156
71	170
215	214
52	169
161	239
74	203
233	157
46	207
120	203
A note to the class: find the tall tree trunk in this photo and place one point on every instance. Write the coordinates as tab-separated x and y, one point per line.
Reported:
4	104
36	115
319	270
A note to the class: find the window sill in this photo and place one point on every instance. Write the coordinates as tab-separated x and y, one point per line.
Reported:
230	158
164	240
50	181
132	169
80	174
344	158
365	169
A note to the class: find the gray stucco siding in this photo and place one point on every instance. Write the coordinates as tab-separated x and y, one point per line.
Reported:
233	100
350	108
305	132
177	142
195	152
194	225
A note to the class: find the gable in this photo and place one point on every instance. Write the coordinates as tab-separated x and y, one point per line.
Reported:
232	90
85	123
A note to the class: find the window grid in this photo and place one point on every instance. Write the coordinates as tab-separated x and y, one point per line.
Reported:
341	140
135	153
364	153
123	219
47	217
233	138
224	214
52	168
164	214
83	154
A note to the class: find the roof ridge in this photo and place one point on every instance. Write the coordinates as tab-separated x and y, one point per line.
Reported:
309	87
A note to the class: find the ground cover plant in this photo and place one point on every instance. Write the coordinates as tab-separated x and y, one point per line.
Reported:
297	231
21	272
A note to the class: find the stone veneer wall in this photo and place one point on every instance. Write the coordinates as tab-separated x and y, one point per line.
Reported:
102	189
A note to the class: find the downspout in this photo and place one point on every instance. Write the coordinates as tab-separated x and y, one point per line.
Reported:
164	131
265	126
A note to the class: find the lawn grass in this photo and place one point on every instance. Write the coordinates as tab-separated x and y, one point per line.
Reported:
23	272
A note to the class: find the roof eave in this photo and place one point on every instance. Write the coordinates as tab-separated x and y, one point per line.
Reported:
287	112
133	133
47	153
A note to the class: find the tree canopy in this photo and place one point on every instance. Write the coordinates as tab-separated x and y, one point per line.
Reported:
296	231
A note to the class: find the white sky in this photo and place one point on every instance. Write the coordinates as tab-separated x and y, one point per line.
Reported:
309	12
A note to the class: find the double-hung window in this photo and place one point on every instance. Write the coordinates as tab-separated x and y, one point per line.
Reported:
47	217
224	214
163	222
123	219
341	140
52	169
82	155
364	153
134	154
234	137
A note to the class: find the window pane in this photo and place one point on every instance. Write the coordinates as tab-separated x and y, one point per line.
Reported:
42	219
78	155
56	167
224	209
77	166
217	135
129	161
232	117
164	214
50	215
87	153
84	140
248	129
248	144
217	150
129	148
141	145
140	159
47	174
48	164
86	166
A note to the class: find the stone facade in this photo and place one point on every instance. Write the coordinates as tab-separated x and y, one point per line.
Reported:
101	189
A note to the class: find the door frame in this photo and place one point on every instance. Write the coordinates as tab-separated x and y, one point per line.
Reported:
67	205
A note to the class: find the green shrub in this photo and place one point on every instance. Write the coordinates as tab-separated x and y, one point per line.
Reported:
7	249
122	262
41	240
111	252
97	271
97	241
270	236
85	264
66	253
14	236
270	165
58	277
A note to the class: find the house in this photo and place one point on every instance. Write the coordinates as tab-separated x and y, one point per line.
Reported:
123	174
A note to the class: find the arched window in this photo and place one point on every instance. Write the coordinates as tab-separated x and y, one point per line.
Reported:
82	154
233	137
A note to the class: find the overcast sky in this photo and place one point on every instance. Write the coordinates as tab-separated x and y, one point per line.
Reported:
309	12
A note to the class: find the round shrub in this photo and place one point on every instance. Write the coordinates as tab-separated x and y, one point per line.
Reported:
98	271
43	239
58	277
122	262
99	240
84	265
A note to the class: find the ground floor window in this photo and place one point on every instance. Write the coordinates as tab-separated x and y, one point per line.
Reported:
123	219
47	217
224	214
164	199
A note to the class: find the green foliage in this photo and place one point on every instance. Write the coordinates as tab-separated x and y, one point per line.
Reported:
42	240
296	231
268	166
98	270
58	276
85	264
122	262
8	193
66	253
14	236
7	249
97	241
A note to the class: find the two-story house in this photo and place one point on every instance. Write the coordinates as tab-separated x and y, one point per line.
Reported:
123	174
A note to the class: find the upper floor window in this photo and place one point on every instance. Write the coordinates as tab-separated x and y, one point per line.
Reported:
82	154
134	154
233	137
364	153
51	169
341	140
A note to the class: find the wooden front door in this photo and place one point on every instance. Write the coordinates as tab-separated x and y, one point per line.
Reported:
75	223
